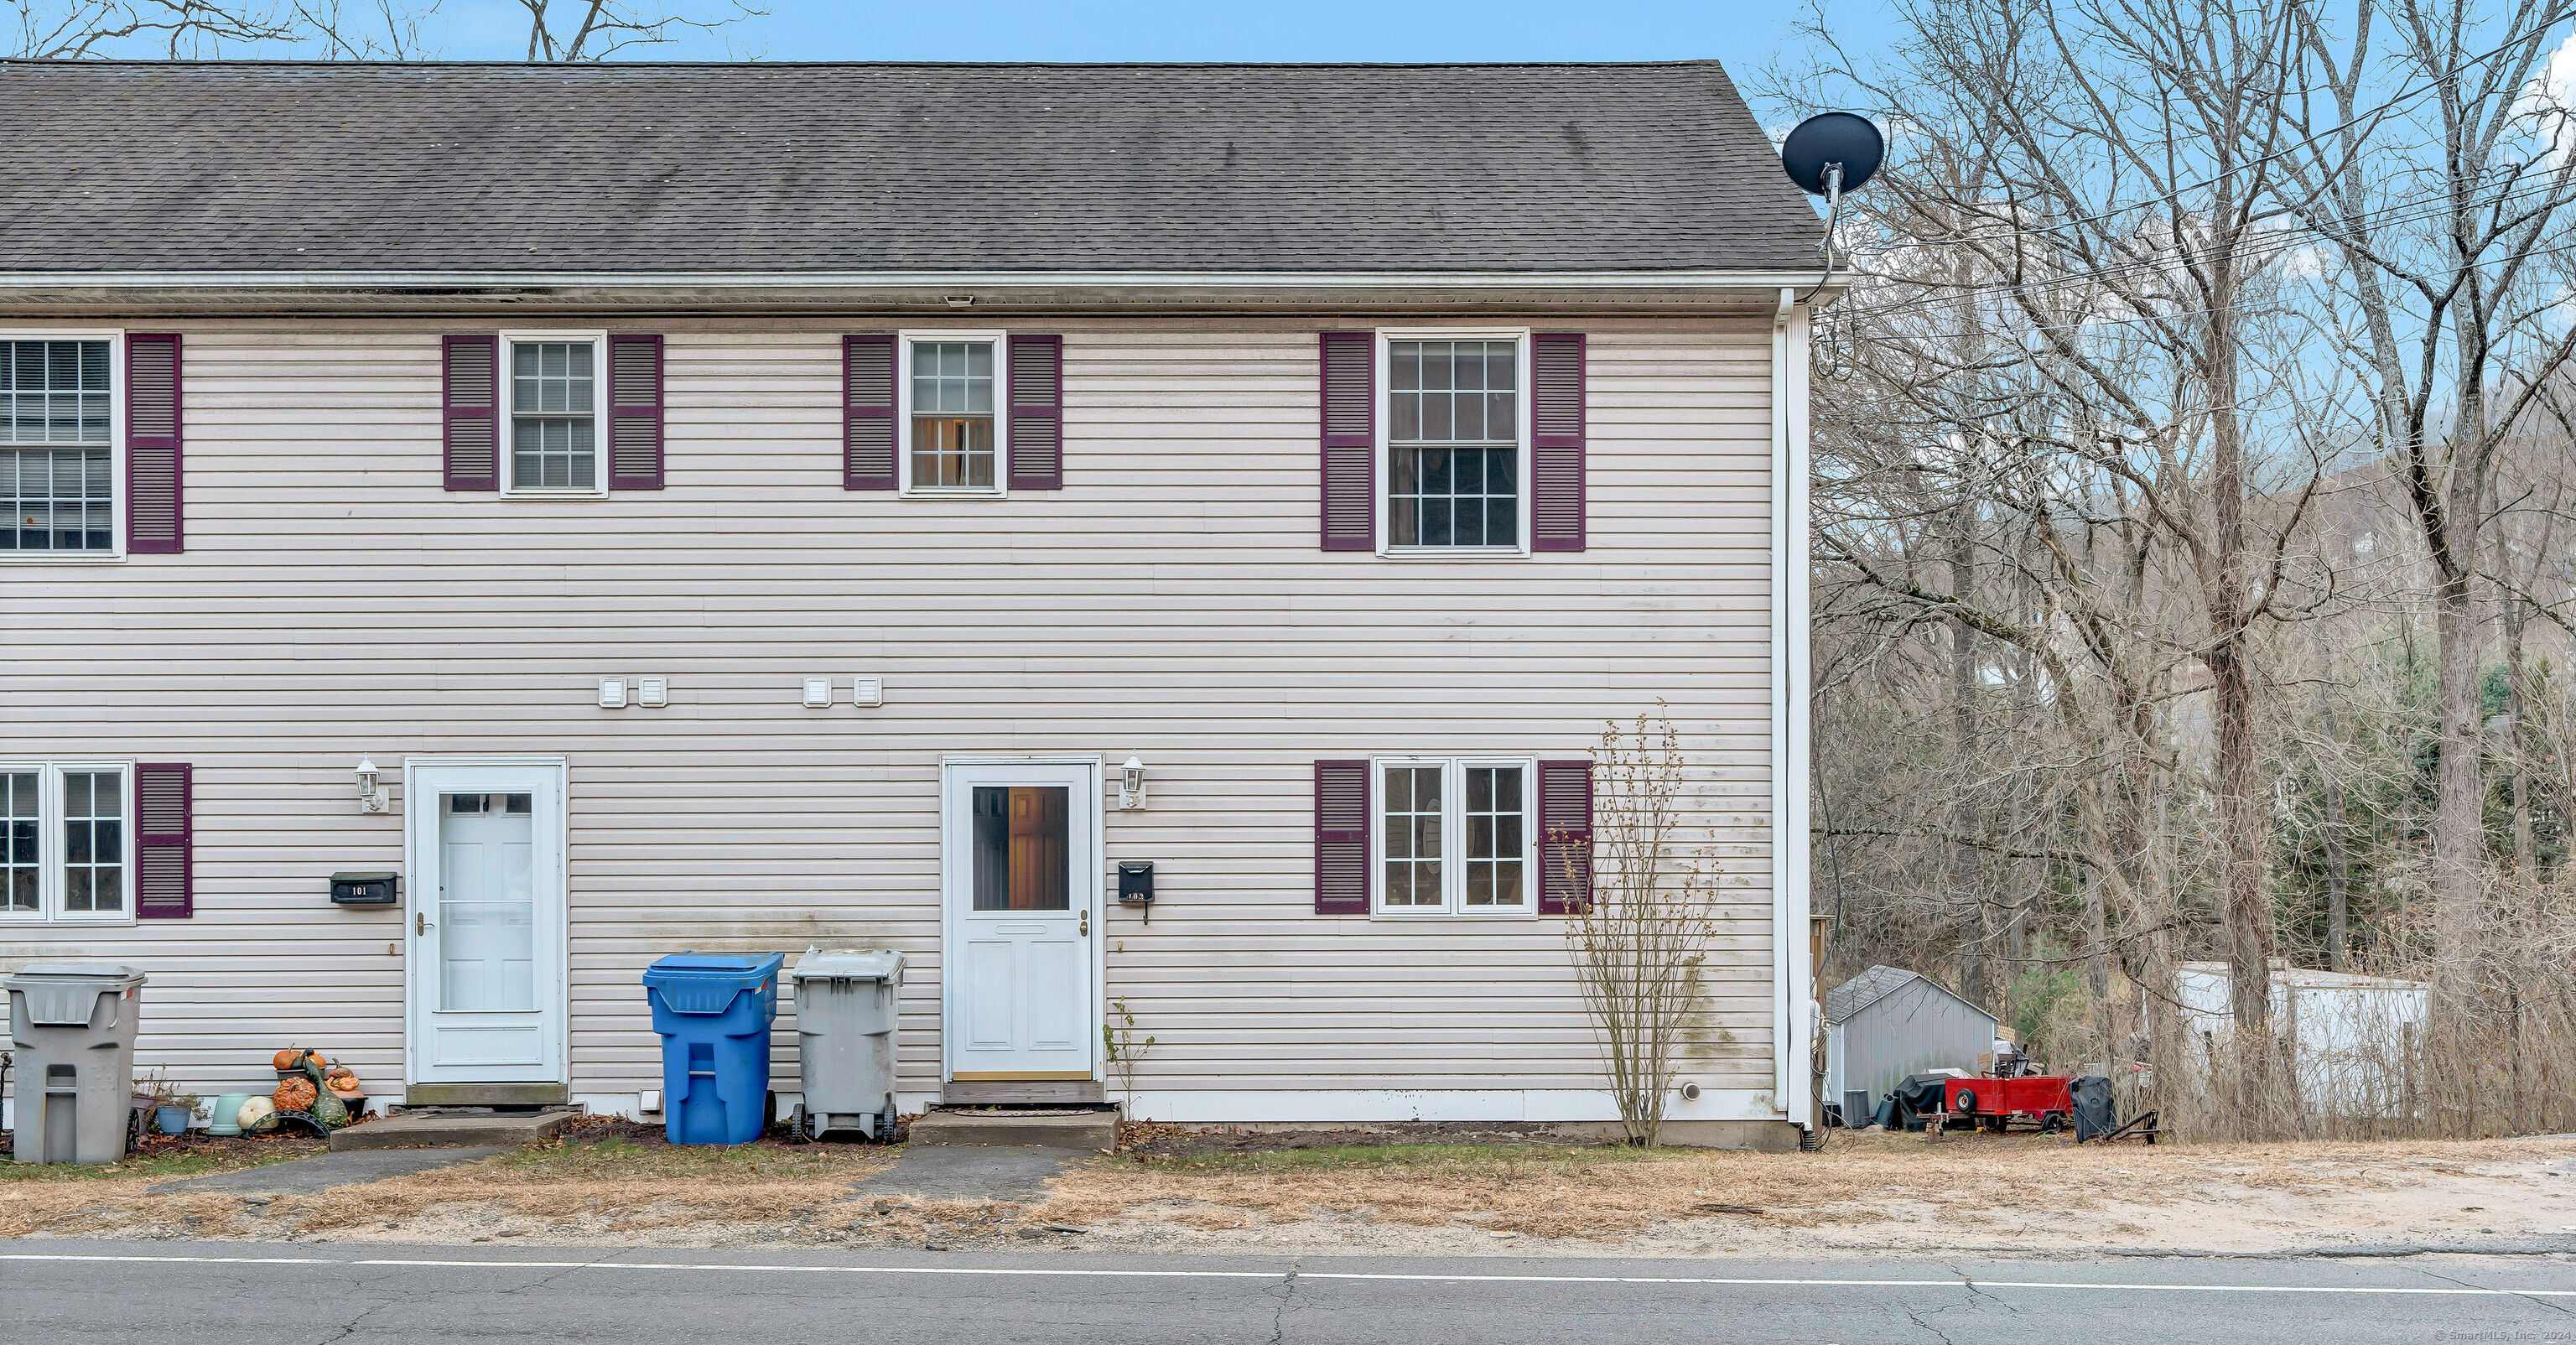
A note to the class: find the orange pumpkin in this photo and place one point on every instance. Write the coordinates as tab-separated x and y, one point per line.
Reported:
296	1094
287	1059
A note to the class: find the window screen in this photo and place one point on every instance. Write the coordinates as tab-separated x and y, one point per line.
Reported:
21	825
1453	443
57	480
553	416
93	841
952	415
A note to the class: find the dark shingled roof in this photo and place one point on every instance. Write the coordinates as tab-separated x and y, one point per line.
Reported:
271	166
1866	989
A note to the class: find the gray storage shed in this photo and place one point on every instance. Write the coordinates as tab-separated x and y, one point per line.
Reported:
1888	1022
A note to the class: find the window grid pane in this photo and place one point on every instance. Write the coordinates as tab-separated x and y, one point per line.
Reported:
1494	836
553	431
93	841
1453	418
62	498
952	415
1413	836
20	852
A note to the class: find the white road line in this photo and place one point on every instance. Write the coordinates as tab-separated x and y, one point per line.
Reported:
1435	1278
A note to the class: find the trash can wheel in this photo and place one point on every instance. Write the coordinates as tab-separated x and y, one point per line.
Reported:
885	1121
796	1130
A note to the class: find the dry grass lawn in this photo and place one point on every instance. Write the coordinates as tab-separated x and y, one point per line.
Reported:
1866	1194
1872	1191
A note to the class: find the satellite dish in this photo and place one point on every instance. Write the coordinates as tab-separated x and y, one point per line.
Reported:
1830	138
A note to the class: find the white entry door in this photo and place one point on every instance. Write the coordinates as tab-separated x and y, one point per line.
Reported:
1020	868
485	916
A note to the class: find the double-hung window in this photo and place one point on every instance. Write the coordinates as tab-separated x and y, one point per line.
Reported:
1456	442
58	447
1456	836
66	841
953	385
554	388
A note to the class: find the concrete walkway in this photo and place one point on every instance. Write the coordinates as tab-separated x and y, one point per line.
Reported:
965	1172
322	1171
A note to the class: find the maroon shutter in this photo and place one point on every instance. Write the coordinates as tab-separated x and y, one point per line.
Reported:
1037	413
1564	836
1349	413
473	435
1556	441
867	413
1341	837
164	884
153	523
635	413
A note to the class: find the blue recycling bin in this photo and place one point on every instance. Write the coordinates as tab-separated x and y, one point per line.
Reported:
713	1011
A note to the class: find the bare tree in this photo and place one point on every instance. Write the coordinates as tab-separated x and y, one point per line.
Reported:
594	30
2442	200
170	29
558	30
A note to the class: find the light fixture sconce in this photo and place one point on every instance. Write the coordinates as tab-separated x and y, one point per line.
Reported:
1131	785
371	794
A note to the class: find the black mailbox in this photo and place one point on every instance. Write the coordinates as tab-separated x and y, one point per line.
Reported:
1136	884
365	889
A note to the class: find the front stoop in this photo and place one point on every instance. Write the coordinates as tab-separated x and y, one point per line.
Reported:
407	1132
1097	1130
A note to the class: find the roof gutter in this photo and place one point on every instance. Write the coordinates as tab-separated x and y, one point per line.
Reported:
905	280
379	292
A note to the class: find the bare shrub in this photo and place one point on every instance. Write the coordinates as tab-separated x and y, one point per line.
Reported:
1639	942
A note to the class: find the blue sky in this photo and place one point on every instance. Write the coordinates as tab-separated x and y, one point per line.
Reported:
1742	35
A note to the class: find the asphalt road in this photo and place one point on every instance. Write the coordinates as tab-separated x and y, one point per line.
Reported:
280	1294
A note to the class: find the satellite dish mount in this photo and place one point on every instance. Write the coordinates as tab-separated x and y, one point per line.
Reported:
1826	155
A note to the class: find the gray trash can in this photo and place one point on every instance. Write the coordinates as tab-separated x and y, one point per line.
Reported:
845	1012
73	1023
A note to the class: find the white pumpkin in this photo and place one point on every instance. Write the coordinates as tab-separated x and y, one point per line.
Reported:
258	1116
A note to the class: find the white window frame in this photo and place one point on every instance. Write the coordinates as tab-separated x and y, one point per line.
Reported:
1453	840
1385	450
1001	486
505	431
116	483
50	846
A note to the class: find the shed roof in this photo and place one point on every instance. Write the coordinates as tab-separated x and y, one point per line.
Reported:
1850	998
638	168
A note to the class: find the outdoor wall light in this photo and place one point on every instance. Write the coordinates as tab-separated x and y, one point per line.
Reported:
371	795
1131	785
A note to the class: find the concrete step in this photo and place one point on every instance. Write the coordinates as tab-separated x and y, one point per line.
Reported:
425	1129
1086	1130
1020	1093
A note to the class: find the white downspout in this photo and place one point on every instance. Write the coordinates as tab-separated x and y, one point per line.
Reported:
1793	1017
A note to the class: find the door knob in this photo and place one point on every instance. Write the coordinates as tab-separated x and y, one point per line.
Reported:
1086	924
419	922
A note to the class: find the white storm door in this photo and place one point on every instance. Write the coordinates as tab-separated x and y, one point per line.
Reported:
484	914
1020	873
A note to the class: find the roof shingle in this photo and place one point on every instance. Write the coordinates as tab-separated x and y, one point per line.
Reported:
640	168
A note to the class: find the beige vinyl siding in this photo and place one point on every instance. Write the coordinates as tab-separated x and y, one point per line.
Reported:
1170	602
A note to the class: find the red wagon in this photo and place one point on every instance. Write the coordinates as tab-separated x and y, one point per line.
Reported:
2039	1099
